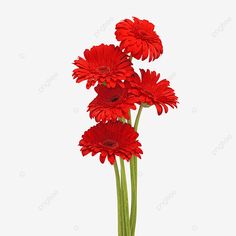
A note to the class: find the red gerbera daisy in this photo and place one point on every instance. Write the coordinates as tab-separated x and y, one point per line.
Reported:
151	92
111	139
139	38
111	103
103	64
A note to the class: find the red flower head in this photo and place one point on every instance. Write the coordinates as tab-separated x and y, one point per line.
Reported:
103	64
111	139
151	92
139	38
111	103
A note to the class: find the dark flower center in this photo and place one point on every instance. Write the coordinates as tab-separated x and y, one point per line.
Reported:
115	98
103	69
148	93
110	143
142	34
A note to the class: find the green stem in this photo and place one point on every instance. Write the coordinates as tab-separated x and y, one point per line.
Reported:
133	210
124	193
119	202
130	119
138	117
133	175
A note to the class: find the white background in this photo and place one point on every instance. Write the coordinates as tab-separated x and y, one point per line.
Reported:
187	174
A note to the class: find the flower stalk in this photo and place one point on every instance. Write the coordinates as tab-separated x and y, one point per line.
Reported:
134	180
125	200
119	202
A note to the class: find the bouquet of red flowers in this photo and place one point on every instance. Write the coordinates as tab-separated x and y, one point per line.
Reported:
119	90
